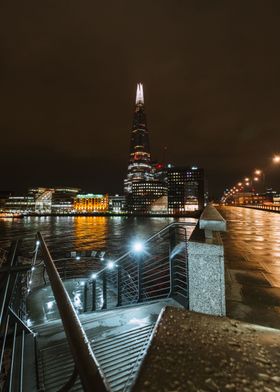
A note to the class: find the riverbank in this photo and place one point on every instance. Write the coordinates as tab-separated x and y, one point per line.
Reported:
189	214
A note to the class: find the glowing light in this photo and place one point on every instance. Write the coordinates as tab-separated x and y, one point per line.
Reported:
30	282
37	243
50	305
239	184
246	179
276	159
78	258
93	276
91	203
258	172
256	179
139	93
32	268
138	247
110	265
82	283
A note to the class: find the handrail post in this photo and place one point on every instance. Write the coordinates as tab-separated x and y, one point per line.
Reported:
104	289
90	373
140	278
172	244
93	295
119	286
85	296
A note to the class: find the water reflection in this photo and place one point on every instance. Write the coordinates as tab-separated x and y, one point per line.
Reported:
65	234
91	232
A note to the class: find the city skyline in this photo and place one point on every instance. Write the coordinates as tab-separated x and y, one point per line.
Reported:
211	83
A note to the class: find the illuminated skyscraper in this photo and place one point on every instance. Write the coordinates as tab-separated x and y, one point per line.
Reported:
140	167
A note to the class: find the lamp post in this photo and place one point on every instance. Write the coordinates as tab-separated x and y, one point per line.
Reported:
138	249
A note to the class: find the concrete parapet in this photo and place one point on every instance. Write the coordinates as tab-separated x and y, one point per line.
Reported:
206	267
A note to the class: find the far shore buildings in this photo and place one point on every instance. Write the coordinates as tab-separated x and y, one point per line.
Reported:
149	187
42	201
158	188
61	201
91	203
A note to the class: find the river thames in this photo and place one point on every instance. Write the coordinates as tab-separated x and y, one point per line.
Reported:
65	234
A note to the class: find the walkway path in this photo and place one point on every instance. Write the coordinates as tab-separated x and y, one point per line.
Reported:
252	257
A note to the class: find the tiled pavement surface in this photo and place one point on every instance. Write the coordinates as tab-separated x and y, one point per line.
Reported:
252	260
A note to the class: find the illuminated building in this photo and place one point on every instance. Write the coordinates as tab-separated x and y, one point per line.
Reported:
146	197
63	200
20	204
91	203
140	167
43	201
185	189
117	203
4	196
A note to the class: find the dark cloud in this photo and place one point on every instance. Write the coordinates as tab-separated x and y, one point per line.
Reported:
68	74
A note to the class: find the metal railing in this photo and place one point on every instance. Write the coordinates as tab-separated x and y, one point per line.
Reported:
3	256
159	271
85	362
13	328
265	207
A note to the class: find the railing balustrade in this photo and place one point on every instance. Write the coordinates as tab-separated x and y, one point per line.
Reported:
159	271
265	207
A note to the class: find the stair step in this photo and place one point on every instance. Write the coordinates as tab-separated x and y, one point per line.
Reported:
116	354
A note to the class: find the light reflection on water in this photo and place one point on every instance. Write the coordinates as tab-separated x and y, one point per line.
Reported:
65	234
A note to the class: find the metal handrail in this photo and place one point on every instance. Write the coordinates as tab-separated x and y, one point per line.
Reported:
90	373
159	233
141	278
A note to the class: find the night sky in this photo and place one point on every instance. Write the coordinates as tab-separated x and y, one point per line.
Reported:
68	74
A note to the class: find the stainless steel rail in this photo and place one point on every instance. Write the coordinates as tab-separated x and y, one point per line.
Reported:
161	271
89	371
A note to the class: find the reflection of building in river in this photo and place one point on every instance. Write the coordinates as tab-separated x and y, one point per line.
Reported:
90	233
91	203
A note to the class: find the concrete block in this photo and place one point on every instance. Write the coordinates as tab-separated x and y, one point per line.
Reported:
206	274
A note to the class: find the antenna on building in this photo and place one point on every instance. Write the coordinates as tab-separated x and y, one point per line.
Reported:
139	93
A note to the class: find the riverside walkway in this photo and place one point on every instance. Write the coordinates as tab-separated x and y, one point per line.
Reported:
252	261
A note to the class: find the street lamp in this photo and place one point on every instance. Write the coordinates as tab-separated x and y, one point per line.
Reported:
138	247
110	265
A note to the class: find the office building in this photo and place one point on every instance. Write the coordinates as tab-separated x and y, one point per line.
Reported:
91	203
185	189
140	167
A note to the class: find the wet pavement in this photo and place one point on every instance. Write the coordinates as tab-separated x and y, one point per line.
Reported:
41	304
192	352
252	261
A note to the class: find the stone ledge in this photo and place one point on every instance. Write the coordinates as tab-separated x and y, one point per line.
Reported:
193	352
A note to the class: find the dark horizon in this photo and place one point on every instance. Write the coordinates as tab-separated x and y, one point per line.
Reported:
68	79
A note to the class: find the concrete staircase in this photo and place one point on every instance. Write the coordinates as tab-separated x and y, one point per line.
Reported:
119	339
